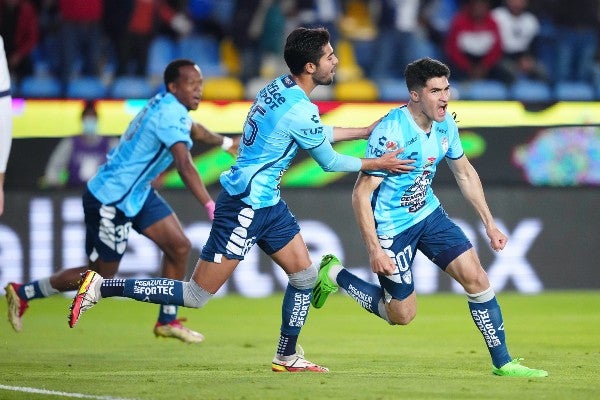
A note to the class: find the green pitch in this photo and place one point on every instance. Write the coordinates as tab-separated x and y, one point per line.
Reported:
113	354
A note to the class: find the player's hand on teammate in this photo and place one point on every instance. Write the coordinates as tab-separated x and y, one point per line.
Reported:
391	163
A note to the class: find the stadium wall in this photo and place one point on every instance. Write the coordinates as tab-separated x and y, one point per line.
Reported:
553	238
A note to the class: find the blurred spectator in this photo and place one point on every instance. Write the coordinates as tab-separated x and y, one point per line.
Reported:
81	38
318	13
132	24
20	29
576	24
257	30
473	46
436	16
401	39
519	29
46	57
205	18
75	159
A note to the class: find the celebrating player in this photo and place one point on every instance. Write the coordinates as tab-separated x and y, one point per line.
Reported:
250	211
399	214
120	197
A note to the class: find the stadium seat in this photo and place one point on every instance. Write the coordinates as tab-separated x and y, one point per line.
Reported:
222	88
86	87
484	89
391	89
347	68
357	90
573	91
162	51
131	87
204	50
40	87
526	90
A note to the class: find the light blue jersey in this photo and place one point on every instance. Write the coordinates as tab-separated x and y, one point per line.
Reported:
143	153
403	200
281	120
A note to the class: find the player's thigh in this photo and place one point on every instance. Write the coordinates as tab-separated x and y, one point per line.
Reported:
293	257
466	269
157	221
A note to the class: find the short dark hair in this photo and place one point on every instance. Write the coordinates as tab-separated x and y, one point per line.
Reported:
172	71
418	72
304	45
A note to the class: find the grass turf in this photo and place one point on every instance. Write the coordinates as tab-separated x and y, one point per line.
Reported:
112	352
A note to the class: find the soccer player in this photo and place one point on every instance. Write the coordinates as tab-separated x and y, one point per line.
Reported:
399	214
249	209
5	120
120	197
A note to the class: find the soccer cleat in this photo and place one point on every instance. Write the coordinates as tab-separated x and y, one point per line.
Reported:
514	368
324	286
175	329
87	296
16	306
295	363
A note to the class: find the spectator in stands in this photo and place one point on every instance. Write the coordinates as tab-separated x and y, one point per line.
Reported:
576	24
132	24
20	29
402	37
46	58
318	13
519	29
78	157
81	38
473	46
257	30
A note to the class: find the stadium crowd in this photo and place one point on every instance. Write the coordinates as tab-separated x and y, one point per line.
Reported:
536	50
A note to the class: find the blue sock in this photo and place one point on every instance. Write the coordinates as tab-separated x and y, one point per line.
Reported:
488	319
158	291
30	291
294	310
364	293
167	313
112	288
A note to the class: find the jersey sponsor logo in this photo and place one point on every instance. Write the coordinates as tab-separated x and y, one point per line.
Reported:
312	131
315	118
153	287
415	195
390	145
361	298
411	141
430	162
271	96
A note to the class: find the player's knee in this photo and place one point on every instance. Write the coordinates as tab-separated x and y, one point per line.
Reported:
304	279
194	295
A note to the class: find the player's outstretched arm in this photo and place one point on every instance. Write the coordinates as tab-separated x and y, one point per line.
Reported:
202	134
343	134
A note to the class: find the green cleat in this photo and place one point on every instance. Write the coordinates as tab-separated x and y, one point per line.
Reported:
514	368
324	286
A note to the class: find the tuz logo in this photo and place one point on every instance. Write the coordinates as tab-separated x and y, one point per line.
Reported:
312	131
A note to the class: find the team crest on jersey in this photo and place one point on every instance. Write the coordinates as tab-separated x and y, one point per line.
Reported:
445	144
288	81
390	145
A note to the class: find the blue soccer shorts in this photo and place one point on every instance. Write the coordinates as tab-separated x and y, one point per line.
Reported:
237	227
107	227
437	237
